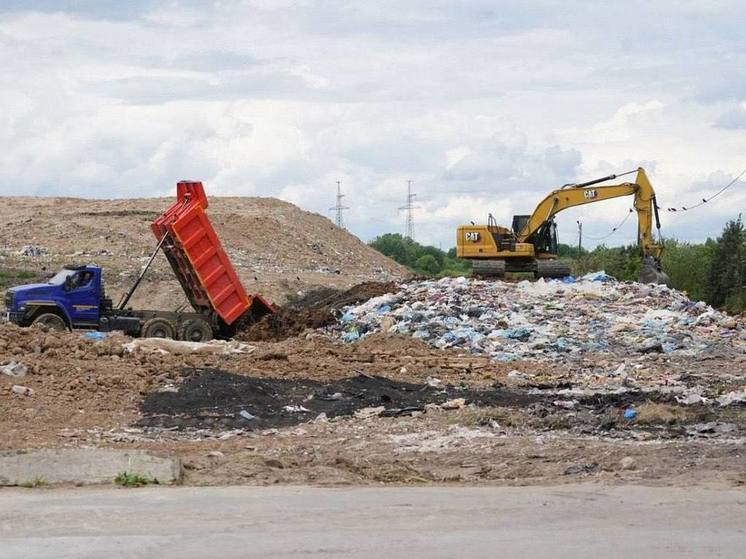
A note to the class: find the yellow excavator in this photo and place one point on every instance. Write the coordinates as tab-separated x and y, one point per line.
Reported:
531	244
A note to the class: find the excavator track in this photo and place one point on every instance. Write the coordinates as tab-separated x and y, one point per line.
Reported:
488	268
496	269
552	269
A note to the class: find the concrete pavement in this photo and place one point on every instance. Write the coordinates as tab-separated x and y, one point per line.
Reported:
413	522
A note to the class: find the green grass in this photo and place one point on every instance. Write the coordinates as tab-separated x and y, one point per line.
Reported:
10	277
129	479
38	481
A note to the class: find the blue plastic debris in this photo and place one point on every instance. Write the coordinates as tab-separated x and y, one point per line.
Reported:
630	413
569	279
94	336
351	335
384	309
522	333
598	276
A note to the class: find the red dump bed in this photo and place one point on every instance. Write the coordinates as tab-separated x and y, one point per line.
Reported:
198	259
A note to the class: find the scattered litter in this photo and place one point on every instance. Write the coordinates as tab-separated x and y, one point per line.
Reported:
95	336
455	404
32	251
567	404
23	390
168	388
296	409
692	396
163	345
434	382
732	398
628	463
14	369
630	413
246	415
365	413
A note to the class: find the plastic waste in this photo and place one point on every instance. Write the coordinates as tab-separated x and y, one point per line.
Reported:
598	276
556	320
95	336
630	413
14	369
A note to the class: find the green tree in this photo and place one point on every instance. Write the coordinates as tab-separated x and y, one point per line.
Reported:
423	260
394	246
427	264
724	284
687	265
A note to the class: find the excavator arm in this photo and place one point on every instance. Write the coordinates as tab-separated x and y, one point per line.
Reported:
587	193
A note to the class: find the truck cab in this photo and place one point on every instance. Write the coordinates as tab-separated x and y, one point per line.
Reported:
73	298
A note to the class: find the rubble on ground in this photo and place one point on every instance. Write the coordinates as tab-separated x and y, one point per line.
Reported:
315	309
397	407
557	320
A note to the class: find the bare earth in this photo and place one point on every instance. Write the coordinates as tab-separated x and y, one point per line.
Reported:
277	248
96	393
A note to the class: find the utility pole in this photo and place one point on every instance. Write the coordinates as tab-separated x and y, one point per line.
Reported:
339	208
409	207
580	239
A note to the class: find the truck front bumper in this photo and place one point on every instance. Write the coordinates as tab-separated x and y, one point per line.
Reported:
14	317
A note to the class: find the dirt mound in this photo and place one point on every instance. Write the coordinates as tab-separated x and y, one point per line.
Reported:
278	249
316	309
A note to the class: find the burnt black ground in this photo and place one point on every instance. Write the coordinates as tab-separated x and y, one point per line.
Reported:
210	398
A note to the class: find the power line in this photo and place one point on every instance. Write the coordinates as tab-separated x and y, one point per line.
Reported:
339	208
410	207
705	200
614	229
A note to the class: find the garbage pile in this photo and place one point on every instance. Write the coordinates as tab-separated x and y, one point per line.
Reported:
545	319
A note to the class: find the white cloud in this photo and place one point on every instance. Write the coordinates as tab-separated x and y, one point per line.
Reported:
485	108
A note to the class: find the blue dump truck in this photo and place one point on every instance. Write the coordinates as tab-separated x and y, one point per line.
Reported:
75	296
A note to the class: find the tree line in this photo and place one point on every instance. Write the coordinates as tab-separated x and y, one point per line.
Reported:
713	271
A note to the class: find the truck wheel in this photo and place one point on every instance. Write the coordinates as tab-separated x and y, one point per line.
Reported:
195	331
51	321
158	328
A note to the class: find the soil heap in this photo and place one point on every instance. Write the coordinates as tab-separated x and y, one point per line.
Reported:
277	249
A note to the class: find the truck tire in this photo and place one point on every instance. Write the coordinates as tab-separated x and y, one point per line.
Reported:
195	330
50	320
158	328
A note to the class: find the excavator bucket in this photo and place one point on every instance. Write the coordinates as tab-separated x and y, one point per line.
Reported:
651	272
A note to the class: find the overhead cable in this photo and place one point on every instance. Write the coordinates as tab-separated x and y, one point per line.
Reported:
705	200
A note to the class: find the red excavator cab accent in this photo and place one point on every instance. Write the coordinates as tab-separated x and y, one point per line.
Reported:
194	251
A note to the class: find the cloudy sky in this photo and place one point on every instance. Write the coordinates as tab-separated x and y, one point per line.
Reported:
485	105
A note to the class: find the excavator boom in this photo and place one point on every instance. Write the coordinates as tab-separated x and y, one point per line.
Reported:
531	244
588	193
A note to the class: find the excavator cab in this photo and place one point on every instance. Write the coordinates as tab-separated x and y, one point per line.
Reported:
545	240
519	222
